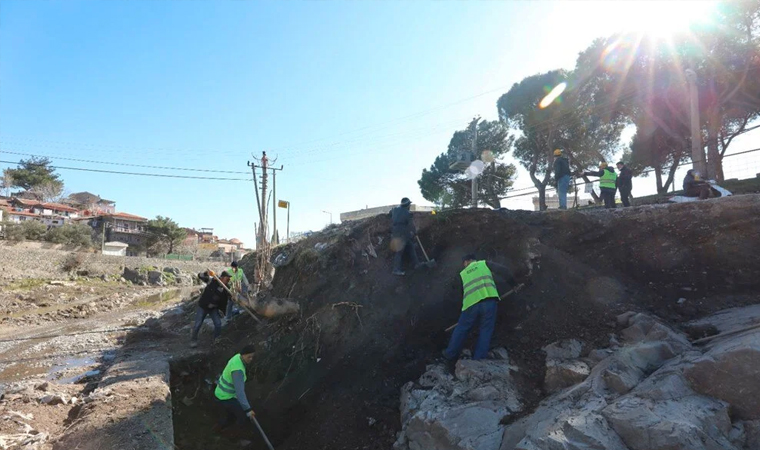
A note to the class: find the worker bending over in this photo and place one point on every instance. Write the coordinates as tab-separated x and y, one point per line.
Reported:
238	285
479	298
402	236
693	186
213	300
607	184
230	390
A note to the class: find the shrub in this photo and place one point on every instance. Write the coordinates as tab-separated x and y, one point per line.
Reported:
34	230
70	234
13	232
73	262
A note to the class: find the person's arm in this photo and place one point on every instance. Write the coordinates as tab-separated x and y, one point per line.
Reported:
203	276
594	174
502	271
238	379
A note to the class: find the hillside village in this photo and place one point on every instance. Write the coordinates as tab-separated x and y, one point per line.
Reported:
125	233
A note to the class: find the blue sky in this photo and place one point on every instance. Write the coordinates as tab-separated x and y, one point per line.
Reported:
354	98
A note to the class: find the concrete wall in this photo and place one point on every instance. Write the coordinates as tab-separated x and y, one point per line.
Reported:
371	212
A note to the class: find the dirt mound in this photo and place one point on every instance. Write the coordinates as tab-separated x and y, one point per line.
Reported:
330	376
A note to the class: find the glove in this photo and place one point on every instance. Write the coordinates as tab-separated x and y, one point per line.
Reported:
251	415
211	273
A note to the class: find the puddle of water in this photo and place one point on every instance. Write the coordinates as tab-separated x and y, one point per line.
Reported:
77	378
67	365
165	297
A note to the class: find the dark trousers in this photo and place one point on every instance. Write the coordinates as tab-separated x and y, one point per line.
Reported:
625	197
701	190
200	316
608	195
410	251
484	314
233	413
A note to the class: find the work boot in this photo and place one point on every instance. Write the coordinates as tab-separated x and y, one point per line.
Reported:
400	273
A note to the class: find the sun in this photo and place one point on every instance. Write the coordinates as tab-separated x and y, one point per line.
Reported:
662	19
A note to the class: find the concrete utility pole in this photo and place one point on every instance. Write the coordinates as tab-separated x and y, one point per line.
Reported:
697	151
276	237
474	136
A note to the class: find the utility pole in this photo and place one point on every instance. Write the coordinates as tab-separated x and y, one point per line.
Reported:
258	202
274	202
265	206
474	136
697	151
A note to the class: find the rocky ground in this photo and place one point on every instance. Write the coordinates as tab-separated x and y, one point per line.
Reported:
600	350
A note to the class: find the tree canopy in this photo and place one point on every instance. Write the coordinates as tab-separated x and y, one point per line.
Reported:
36	174
164	231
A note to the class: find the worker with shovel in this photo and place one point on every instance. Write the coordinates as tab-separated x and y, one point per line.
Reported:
238	285
214	299
478	305
230	393
403	233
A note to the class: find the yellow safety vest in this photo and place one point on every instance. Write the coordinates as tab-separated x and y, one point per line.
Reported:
225	386
478	284
607	180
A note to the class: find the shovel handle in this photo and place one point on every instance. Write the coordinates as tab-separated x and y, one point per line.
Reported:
266	439
422	248
233	297
506	294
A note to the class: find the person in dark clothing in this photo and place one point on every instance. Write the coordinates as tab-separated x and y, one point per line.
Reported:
230	390
402	236
479	300
607	184
562	176
625	183
213	300
694	187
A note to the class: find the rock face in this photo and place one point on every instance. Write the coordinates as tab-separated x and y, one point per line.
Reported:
134	276
562	368
156	278
441	412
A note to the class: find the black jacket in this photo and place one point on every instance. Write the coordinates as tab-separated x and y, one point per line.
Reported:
690	182
214	296
499	270
561	167
402	223
625	179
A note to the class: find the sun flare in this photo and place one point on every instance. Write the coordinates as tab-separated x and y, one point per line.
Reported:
661	19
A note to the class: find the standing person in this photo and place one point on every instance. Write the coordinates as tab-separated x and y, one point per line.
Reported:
213	299
402	236
607	182
625	183
230	390
238	285
694	187
562	175
479	299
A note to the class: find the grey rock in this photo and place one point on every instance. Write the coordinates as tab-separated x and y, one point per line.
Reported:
621	378
561	374
43	386
483	393
599	354
172	270
134	276
500	353
156	278
623	320
54	399
563	350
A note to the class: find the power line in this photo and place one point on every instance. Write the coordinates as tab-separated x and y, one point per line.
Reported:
121	164
157	175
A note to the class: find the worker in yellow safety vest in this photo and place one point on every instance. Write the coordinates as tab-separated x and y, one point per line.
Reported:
230	390
479	299
607	183
238	285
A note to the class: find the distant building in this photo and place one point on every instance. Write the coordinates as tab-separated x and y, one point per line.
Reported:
120	227
91	204
552	202
372	212
115	248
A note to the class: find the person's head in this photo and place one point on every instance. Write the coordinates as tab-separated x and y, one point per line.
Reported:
620	165
602	165
234	265
557	153
405	202
225	277
246	354
468	259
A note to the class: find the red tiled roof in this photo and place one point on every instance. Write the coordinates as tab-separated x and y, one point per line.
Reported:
123	215
59	207
24	201
24	213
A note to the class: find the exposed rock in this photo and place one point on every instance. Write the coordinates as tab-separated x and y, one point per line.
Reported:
499	353
621	378
623	319
42	386
172	270
729	371
54	399
563	350
156	278
561	374
134	276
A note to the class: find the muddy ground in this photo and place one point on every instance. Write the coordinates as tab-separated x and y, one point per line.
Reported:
329	376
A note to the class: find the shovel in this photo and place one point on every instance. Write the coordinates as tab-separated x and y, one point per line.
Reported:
256	422
430	262
501	297
233	297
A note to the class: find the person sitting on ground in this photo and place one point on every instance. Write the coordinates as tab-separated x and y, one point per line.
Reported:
694	187
230	390
238	285
479	302
402	236
213	299
607	184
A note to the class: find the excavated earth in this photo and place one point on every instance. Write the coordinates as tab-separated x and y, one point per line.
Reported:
330	375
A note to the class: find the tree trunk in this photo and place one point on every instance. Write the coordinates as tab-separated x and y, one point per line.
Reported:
594	195
658	179
671	175
714	166
542	198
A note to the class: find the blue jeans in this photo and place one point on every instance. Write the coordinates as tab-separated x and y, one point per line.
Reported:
483	312
562	185
200	316
409	249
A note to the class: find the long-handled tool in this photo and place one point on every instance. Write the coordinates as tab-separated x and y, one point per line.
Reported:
266	439
430	262
501	297
233	296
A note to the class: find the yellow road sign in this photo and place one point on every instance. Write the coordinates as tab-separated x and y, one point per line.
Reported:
283	204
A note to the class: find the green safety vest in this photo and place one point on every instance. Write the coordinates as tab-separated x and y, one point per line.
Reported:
225	387
478	283
235	276
607	180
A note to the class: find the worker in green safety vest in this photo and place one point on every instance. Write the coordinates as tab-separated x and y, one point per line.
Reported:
479	299
230	390
238	285
607	183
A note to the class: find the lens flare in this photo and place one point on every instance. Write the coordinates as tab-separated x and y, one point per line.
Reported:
553	95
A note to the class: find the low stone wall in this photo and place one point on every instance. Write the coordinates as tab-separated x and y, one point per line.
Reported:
22	261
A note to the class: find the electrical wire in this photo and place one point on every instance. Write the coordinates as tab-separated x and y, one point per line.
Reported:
157	175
